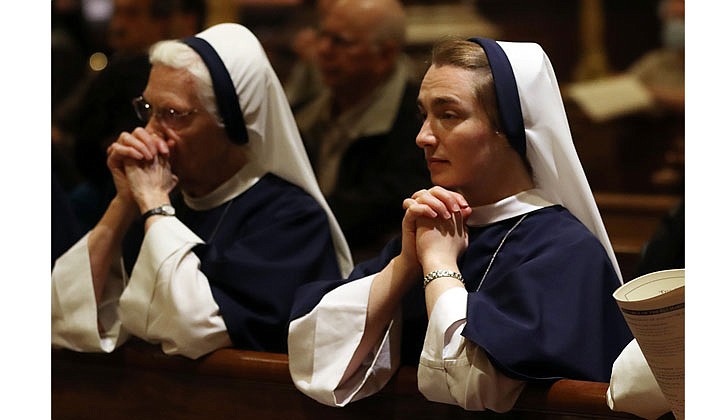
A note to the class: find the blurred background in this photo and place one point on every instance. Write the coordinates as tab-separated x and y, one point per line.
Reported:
631	147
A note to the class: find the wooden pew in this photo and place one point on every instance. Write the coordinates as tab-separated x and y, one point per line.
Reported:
138	381
630	220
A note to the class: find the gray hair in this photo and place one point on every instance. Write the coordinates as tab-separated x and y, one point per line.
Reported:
175	54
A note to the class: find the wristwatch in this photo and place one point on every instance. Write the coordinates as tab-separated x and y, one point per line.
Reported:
163	210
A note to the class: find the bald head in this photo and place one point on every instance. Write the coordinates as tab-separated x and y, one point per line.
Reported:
323	6
383	20
358	46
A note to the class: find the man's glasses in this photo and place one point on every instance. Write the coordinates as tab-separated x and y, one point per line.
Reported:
337	41
168	117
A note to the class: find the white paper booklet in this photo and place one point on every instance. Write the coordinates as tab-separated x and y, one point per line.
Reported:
610	97
654	307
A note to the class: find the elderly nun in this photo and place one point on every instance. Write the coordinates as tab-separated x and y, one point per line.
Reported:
217	218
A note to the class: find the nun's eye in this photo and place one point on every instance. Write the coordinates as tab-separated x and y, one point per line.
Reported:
169	117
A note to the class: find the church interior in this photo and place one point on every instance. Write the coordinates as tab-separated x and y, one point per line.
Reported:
633	155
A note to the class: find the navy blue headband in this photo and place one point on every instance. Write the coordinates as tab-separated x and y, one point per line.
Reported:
227	100
506	92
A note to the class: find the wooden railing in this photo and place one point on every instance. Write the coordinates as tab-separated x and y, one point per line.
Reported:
138	381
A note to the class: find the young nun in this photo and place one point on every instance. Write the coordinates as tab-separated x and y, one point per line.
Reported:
517	268
220	266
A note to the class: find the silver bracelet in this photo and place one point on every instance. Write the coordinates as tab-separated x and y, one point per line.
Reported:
432	275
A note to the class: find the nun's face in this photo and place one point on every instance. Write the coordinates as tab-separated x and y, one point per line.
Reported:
462	149
198	144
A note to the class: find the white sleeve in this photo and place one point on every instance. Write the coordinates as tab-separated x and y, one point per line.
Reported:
168	299
454	370
75	317
322	343
633	388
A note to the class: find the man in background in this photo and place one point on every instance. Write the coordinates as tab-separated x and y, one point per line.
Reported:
360	130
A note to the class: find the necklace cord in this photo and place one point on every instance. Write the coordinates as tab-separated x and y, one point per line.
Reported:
498	249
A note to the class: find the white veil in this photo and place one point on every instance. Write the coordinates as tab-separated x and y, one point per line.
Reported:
272	133
549	147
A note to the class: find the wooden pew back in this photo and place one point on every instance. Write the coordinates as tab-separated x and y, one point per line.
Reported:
631	220
138	381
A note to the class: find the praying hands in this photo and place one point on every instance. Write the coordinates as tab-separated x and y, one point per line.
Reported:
139	162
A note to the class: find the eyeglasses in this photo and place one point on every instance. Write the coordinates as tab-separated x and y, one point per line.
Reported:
337	41
169	117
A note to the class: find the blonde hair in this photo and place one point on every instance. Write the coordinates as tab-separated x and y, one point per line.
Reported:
470	56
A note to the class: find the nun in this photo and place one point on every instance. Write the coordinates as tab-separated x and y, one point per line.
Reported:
217	218
503	274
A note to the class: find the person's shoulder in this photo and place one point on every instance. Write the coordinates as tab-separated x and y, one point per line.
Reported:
558	224
278	191
275	184
557	235
558	217
274	201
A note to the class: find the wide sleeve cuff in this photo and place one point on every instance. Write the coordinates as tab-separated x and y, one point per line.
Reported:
322	343
448	313
163	239
454	370
633	388
75	317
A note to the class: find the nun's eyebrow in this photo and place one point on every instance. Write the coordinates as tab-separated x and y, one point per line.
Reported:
440	101
445	100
